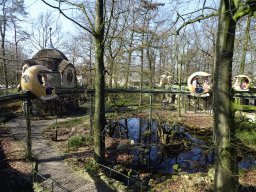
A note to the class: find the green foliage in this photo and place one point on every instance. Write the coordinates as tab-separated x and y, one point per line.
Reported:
121	99
90	166
245	129
241	172
69	123
80	140
37	187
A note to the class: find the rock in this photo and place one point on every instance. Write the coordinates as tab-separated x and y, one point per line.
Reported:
146	151
211	173
53	135
117	184
200	180
122	188
186	177
73	131
121	146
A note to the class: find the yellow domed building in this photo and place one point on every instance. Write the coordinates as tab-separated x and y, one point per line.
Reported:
61	74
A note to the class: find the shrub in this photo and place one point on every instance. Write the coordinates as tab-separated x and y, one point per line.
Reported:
80	140
245	129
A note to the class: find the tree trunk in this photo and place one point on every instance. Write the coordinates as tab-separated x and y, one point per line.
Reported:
3	29
99	116
248	24
129	59
226	178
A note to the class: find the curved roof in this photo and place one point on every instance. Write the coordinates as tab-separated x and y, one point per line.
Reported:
64	64
50	53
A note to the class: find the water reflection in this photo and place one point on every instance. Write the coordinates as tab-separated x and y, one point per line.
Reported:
164	145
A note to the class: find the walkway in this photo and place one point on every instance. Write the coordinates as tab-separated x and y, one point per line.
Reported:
51	164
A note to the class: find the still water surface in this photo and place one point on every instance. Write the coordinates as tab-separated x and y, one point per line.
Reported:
150	153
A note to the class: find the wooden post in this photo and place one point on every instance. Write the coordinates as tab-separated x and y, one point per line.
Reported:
150	112
188	102
179	107
195	99
28	109
185	104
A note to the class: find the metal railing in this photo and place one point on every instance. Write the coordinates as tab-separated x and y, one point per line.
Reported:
36	174
141	185
127	177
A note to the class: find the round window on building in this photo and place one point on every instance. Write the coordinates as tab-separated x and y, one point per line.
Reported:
69	76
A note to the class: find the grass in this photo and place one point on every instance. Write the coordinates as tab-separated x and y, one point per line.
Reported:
37	187
10	92
69	123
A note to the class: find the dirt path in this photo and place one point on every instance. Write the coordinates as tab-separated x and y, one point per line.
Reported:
51	164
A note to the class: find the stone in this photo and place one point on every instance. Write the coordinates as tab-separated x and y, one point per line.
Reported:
117	184
200	180
53	135
146	151
186	177
73	131
211	173
121	146
122	188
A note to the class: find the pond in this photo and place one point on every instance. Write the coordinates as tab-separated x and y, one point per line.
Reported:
160	146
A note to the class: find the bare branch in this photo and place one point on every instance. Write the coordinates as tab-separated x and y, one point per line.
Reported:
81	6
195	20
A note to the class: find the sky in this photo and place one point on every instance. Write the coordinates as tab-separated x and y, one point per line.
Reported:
35	7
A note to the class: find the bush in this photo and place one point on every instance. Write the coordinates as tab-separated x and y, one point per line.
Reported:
245	129
80	140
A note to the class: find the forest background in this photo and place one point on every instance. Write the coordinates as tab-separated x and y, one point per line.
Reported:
130	35
142	39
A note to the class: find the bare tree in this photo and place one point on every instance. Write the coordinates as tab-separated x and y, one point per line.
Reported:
97	29
40	33
10	10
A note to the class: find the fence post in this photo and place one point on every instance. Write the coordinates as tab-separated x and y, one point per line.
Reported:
56	133
150	112
28	109
68	142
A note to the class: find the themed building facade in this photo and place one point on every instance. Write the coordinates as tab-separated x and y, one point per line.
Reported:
63	72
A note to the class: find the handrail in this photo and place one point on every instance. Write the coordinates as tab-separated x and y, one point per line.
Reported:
52	180
129	178
62	92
